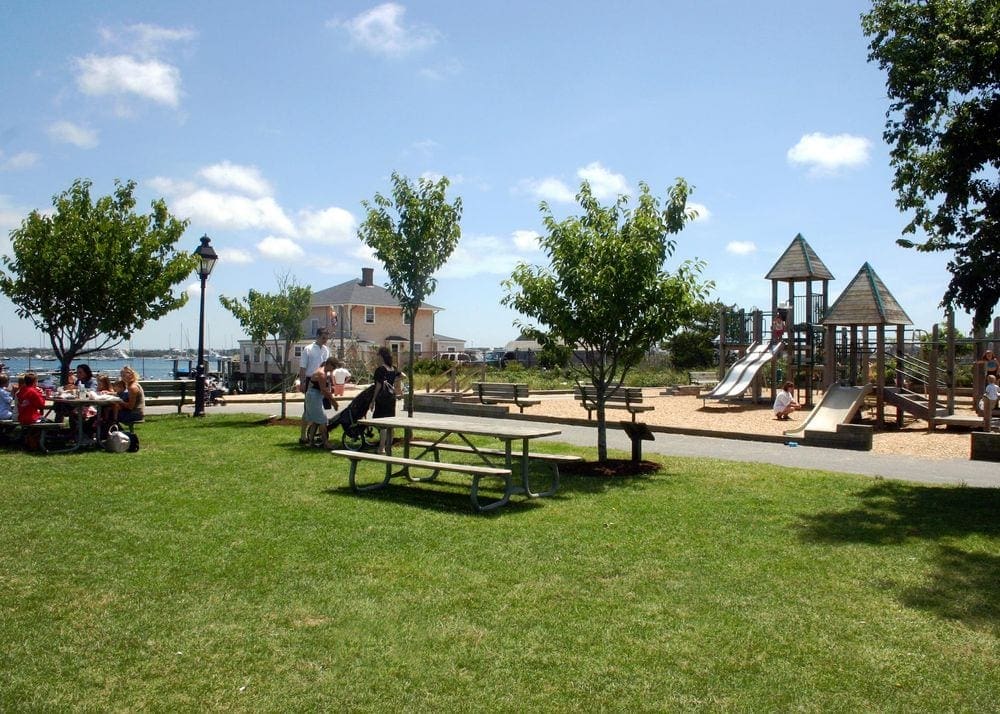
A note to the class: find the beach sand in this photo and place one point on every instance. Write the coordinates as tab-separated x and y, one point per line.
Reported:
689	412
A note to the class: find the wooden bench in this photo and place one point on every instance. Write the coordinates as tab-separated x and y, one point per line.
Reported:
703	379
629	398
168	392
476	472
552	459
494	392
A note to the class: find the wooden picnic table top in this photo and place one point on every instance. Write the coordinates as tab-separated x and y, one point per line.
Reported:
480	426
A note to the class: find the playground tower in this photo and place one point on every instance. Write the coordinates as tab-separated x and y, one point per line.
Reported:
800	266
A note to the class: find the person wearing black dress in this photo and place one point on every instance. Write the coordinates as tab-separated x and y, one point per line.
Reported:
386	381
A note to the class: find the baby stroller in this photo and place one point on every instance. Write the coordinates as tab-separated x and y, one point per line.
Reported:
356	436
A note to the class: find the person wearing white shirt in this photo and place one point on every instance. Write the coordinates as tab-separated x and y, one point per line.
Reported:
784	403
341	376
313	357
990	397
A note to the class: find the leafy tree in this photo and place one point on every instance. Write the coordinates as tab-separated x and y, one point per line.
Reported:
943	64
274	321
412	234
692	346
95	272
605	291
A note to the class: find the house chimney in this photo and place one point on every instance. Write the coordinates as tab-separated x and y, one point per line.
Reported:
367	277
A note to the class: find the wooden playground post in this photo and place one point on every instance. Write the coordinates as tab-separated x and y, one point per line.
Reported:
932	387
951	373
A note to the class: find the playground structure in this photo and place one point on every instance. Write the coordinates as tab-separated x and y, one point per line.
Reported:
861	352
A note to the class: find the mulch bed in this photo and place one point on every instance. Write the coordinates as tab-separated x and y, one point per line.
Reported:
612	468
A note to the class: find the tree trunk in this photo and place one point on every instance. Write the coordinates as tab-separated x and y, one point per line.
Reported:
409	368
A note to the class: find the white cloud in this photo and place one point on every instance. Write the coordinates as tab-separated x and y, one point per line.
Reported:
331	225
283	249
701	209
125	75
442	71
825	154
236	256
227	210
603	183
381	30
10	218
244	179
67	132
741	247
18	162
525	240
549	189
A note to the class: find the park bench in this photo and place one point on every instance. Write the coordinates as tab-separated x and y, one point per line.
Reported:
169	392
404	464
33	435
629	398
703	379
494	392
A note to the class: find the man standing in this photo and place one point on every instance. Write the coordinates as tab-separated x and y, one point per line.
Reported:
313	357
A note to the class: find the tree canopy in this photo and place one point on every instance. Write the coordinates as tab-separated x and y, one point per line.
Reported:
92	273
943	63
605	292
274	321
413	234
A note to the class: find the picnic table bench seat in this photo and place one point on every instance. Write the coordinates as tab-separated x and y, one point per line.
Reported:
475	471
495	392
552	459
168	392
628	398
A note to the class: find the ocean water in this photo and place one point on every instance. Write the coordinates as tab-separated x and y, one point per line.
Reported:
147	367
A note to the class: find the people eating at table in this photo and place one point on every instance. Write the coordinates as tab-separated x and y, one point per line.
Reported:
134	399
85	380
6	399
30	400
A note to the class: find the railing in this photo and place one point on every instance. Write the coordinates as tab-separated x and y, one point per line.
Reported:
458	378
914	369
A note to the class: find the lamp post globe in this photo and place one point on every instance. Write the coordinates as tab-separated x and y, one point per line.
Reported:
207	257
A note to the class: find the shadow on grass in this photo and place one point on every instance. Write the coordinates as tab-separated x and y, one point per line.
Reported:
434	497
965	584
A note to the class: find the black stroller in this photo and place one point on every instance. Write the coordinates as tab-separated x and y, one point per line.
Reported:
356	436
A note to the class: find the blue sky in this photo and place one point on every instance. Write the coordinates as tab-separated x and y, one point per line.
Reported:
266	124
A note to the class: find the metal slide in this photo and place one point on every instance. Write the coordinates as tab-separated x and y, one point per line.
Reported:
741	374
838	406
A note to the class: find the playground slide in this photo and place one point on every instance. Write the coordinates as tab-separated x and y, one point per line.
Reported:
741	374
838	406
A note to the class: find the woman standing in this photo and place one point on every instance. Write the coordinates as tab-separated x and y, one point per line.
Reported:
387	383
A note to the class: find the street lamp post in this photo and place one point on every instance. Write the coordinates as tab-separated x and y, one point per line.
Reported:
207	255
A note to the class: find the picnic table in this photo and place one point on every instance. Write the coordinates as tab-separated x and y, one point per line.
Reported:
510	463
76	404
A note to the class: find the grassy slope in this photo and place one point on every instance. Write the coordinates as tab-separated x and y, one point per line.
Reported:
223	566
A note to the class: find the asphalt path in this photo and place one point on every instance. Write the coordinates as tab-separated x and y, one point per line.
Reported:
954	472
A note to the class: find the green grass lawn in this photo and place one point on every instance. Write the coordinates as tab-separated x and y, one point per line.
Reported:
225	567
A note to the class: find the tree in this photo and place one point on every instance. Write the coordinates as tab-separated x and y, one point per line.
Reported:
413	234
693	346
605	291
95	272
943	64
274	322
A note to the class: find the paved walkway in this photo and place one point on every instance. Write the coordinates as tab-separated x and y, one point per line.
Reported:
983	474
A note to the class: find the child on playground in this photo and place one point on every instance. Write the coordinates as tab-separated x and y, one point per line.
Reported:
778	326
784	403
990	396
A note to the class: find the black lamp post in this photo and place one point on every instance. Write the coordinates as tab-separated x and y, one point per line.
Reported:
207	255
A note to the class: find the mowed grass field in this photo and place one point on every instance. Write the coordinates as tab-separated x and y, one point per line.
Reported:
224	567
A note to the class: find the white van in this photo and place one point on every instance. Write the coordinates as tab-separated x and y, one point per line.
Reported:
455	356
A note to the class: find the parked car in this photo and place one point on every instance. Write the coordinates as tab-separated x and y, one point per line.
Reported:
463	357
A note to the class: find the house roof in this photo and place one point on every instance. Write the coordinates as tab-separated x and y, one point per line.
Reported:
799	262
354	292
866	301
445	338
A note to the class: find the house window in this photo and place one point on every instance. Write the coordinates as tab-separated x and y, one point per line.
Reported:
369	315
256	354
417	348
406	318
313	327
298	351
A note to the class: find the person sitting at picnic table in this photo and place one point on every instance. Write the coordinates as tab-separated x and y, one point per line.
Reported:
313	411
6	399
104	384
134	399
784	403
30	400
85	380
